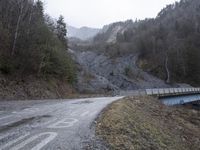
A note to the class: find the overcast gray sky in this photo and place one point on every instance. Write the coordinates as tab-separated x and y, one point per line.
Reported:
96	13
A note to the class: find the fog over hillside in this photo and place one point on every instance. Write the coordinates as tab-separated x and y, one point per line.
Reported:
82	33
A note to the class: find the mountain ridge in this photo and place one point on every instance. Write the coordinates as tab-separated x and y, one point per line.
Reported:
82	33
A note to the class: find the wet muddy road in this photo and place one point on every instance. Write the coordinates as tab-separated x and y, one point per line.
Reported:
49	124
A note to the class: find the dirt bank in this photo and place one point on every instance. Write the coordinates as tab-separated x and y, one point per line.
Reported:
137	123
33	88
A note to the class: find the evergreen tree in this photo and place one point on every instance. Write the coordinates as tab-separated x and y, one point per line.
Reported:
29	44
61	30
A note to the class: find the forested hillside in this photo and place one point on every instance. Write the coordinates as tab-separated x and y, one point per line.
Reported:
31	43
171	42
168	45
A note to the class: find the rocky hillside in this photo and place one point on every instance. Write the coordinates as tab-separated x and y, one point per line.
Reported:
166	47
100	73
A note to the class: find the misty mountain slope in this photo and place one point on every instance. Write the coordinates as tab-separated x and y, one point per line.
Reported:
82	33
109	32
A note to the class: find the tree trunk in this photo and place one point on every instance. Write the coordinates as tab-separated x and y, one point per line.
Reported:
42	64
167	69
30	17
154	45
17	28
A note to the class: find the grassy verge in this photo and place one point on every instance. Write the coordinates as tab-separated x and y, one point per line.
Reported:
137	123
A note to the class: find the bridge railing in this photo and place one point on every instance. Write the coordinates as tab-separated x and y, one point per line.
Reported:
132	92
171	91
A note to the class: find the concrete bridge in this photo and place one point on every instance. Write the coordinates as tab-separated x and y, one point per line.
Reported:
176	96
169	96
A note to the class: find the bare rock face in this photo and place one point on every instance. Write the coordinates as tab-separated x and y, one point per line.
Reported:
101	73
108	34
94	83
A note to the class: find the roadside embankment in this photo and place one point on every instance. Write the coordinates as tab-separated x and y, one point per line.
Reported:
33	88
137	123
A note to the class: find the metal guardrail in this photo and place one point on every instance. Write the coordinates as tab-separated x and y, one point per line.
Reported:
132	93
171	91
169	96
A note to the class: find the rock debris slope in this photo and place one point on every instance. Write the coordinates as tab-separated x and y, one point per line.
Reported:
98	72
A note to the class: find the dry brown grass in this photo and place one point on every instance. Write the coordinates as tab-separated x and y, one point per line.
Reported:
142	123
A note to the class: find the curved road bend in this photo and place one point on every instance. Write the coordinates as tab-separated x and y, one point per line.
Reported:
49	125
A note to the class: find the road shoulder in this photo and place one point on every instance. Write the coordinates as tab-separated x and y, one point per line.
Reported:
144	123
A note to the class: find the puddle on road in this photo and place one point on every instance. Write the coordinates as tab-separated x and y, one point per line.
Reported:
23	108
24	121
84	102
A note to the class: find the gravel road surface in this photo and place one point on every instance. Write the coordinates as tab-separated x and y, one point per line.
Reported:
49	124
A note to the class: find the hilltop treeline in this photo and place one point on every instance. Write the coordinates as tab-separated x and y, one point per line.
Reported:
171	42
169	45
31	42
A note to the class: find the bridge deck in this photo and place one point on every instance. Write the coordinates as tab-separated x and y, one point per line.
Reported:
178	95
172	91
179	100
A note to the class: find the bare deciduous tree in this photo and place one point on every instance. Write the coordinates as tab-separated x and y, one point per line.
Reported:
20	4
